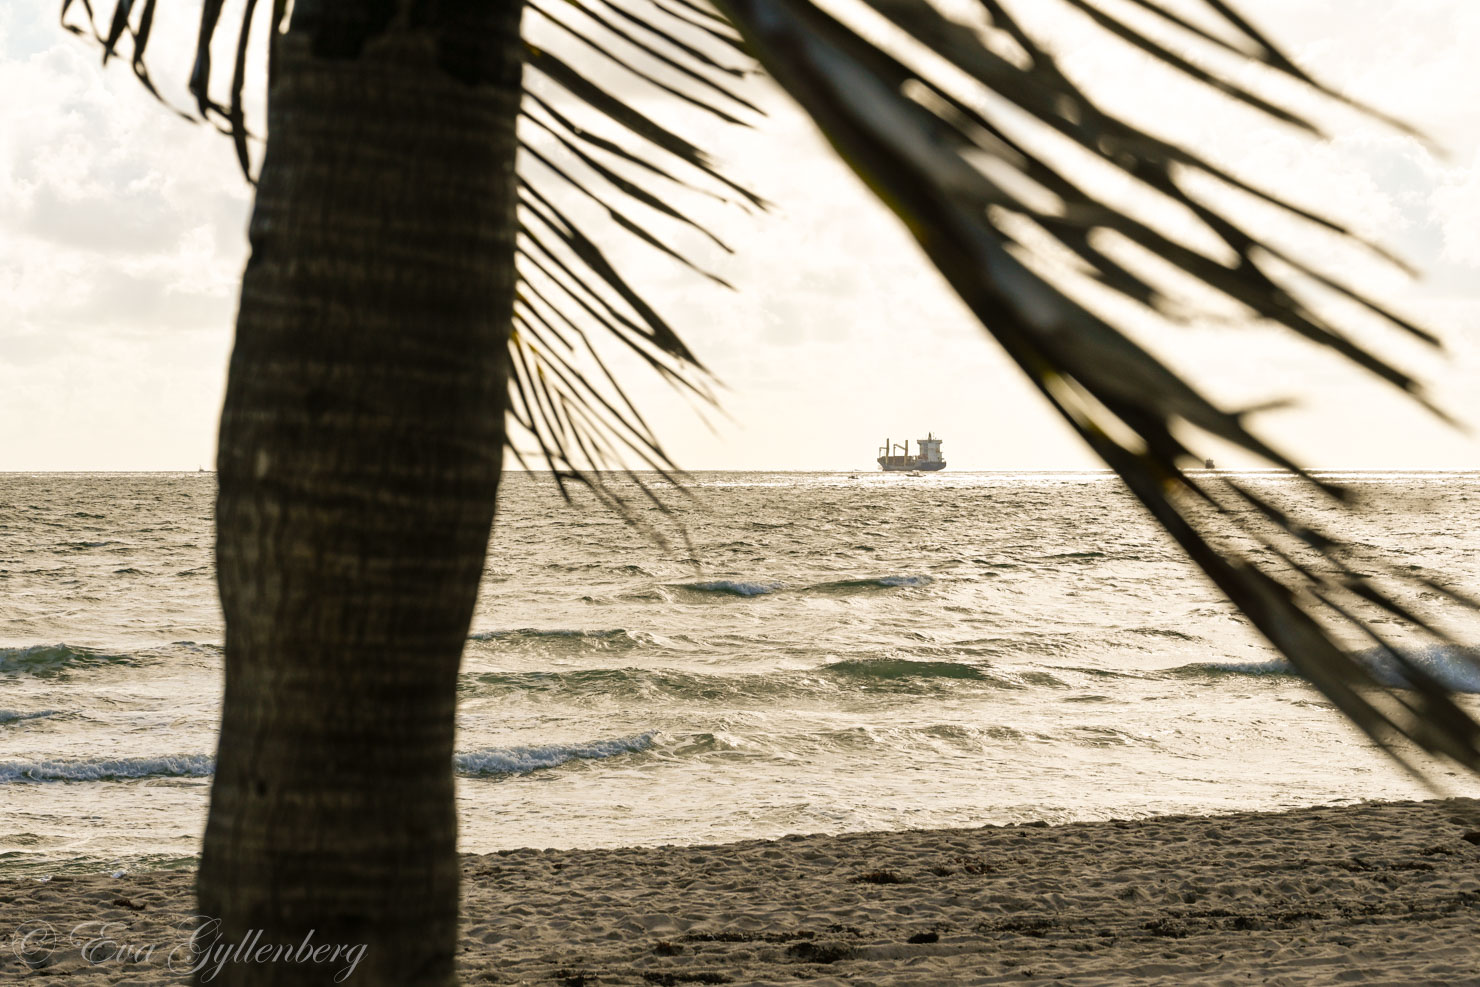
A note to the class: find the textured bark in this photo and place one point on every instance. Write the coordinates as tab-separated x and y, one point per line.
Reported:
360	453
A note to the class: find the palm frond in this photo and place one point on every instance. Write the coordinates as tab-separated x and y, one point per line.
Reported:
572	300
918	139
123	23
980	178
627	166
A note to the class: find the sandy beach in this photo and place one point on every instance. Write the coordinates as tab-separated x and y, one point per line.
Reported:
1382	893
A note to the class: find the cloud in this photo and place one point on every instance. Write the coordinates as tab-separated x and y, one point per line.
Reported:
121	228
1455	206
122	237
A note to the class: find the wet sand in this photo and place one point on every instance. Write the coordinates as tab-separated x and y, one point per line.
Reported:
1383	893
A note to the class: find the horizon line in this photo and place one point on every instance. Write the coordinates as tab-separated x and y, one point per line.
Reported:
874	471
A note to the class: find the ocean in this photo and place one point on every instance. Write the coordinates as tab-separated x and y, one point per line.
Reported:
811	652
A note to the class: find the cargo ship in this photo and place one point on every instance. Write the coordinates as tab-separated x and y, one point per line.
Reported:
927	459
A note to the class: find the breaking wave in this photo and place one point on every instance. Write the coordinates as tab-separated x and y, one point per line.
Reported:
492	761
1454	668
878	582
670	686
734	587
536	633
1200	669
904	668
44	660
11	716
111	769
495	761
56	660
729	587
546	639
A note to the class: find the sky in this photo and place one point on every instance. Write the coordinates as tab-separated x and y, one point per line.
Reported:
122	238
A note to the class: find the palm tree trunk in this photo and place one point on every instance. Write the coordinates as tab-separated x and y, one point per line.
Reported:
360	454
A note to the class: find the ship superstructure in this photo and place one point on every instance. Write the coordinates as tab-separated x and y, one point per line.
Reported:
928	458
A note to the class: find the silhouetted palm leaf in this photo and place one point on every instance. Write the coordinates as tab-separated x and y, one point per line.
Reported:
917	144
571	299
974	172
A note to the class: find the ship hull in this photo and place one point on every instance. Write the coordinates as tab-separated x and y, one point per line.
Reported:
900	464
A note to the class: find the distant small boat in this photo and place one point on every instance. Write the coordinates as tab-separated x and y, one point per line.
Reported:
1208	464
